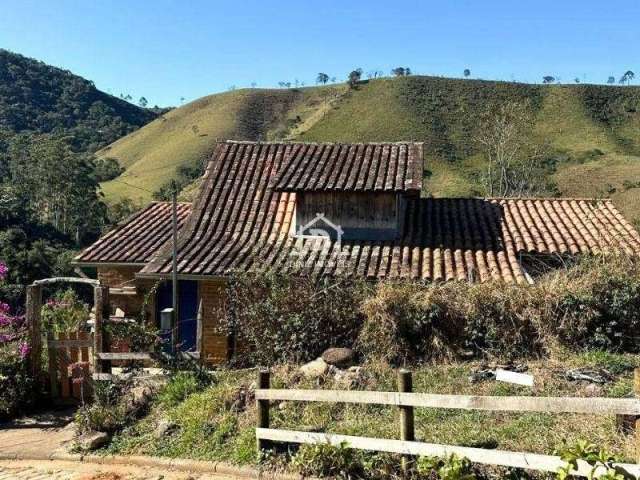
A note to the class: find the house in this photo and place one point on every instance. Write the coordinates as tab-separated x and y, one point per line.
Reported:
351	210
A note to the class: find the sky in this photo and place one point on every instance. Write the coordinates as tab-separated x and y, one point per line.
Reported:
166	50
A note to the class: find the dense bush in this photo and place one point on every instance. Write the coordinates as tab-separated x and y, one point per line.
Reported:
594	304
292	318
64	313
16	383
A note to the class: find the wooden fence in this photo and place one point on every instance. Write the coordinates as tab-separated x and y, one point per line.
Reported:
69	366
626	409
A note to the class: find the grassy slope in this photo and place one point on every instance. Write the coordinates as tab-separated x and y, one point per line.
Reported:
594	131
208	428
186	135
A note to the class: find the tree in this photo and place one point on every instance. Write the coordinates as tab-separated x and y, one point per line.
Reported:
354	77
467	72
627	77
548	79
322	78
514	163
374	74
143	102
401	71
611	80
577	80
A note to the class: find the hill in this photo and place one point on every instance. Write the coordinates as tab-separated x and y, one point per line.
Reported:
593	131
38	98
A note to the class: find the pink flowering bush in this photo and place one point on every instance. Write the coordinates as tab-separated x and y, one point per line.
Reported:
16	384
64	313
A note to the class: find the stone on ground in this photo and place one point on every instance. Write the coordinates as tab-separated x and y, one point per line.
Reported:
315	369
92	440
339	357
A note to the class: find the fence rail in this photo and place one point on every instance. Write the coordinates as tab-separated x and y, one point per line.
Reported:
614	406
627	411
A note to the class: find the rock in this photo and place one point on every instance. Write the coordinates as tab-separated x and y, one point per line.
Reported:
92	440
283	405
164	428
593	390
138	399
350	377
315	369
339	357
119	313
592	375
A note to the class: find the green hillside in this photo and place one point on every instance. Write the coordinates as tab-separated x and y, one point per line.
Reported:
593	131
37	98
185	136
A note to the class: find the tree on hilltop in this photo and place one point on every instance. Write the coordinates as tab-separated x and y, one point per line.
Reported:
354	77
466	73
322	78
627	77
548	79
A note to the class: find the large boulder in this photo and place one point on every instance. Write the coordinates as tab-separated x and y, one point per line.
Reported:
315	369
92	440
339	357
165	427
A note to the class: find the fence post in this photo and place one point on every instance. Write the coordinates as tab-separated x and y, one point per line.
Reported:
636	391
101	305
407	430
33	310
264	382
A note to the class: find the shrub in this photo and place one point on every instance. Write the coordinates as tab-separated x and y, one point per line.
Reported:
594	304
600	307
64	313
406	322
282	318
447	468
16	384
180	386
327	461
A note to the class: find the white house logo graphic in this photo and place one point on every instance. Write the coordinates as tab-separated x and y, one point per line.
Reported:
320	226
316	238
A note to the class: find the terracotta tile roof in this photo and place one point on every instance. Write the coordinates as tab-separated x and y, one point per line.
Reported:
362	167
240	223
136	239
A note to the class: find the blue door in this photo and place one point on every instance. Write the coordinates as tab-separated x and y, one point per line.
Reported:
187	310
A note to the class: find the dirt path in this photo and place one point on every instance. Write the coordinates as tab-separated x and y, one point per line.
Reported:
61	470
36	436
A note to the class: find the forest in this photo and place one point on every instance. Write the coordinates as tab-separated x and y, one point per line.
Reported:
51	124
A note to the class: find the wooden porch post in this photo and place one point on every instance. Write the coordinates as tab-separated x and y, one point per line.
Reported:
33	309
101	305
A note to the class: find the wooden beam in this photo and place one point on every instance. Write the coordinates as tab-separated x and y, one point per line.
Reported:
70	343
50	281
614	406
33	311
123	356
264	382
529	461
407	429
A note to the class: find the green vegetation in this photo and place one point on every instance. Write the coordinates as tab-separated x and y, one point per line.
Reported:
591	305
591	131
51	123
217	422
186	136
38	98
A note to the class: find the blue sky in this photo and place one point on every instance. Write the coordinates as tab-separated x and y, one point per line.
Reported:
165	49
